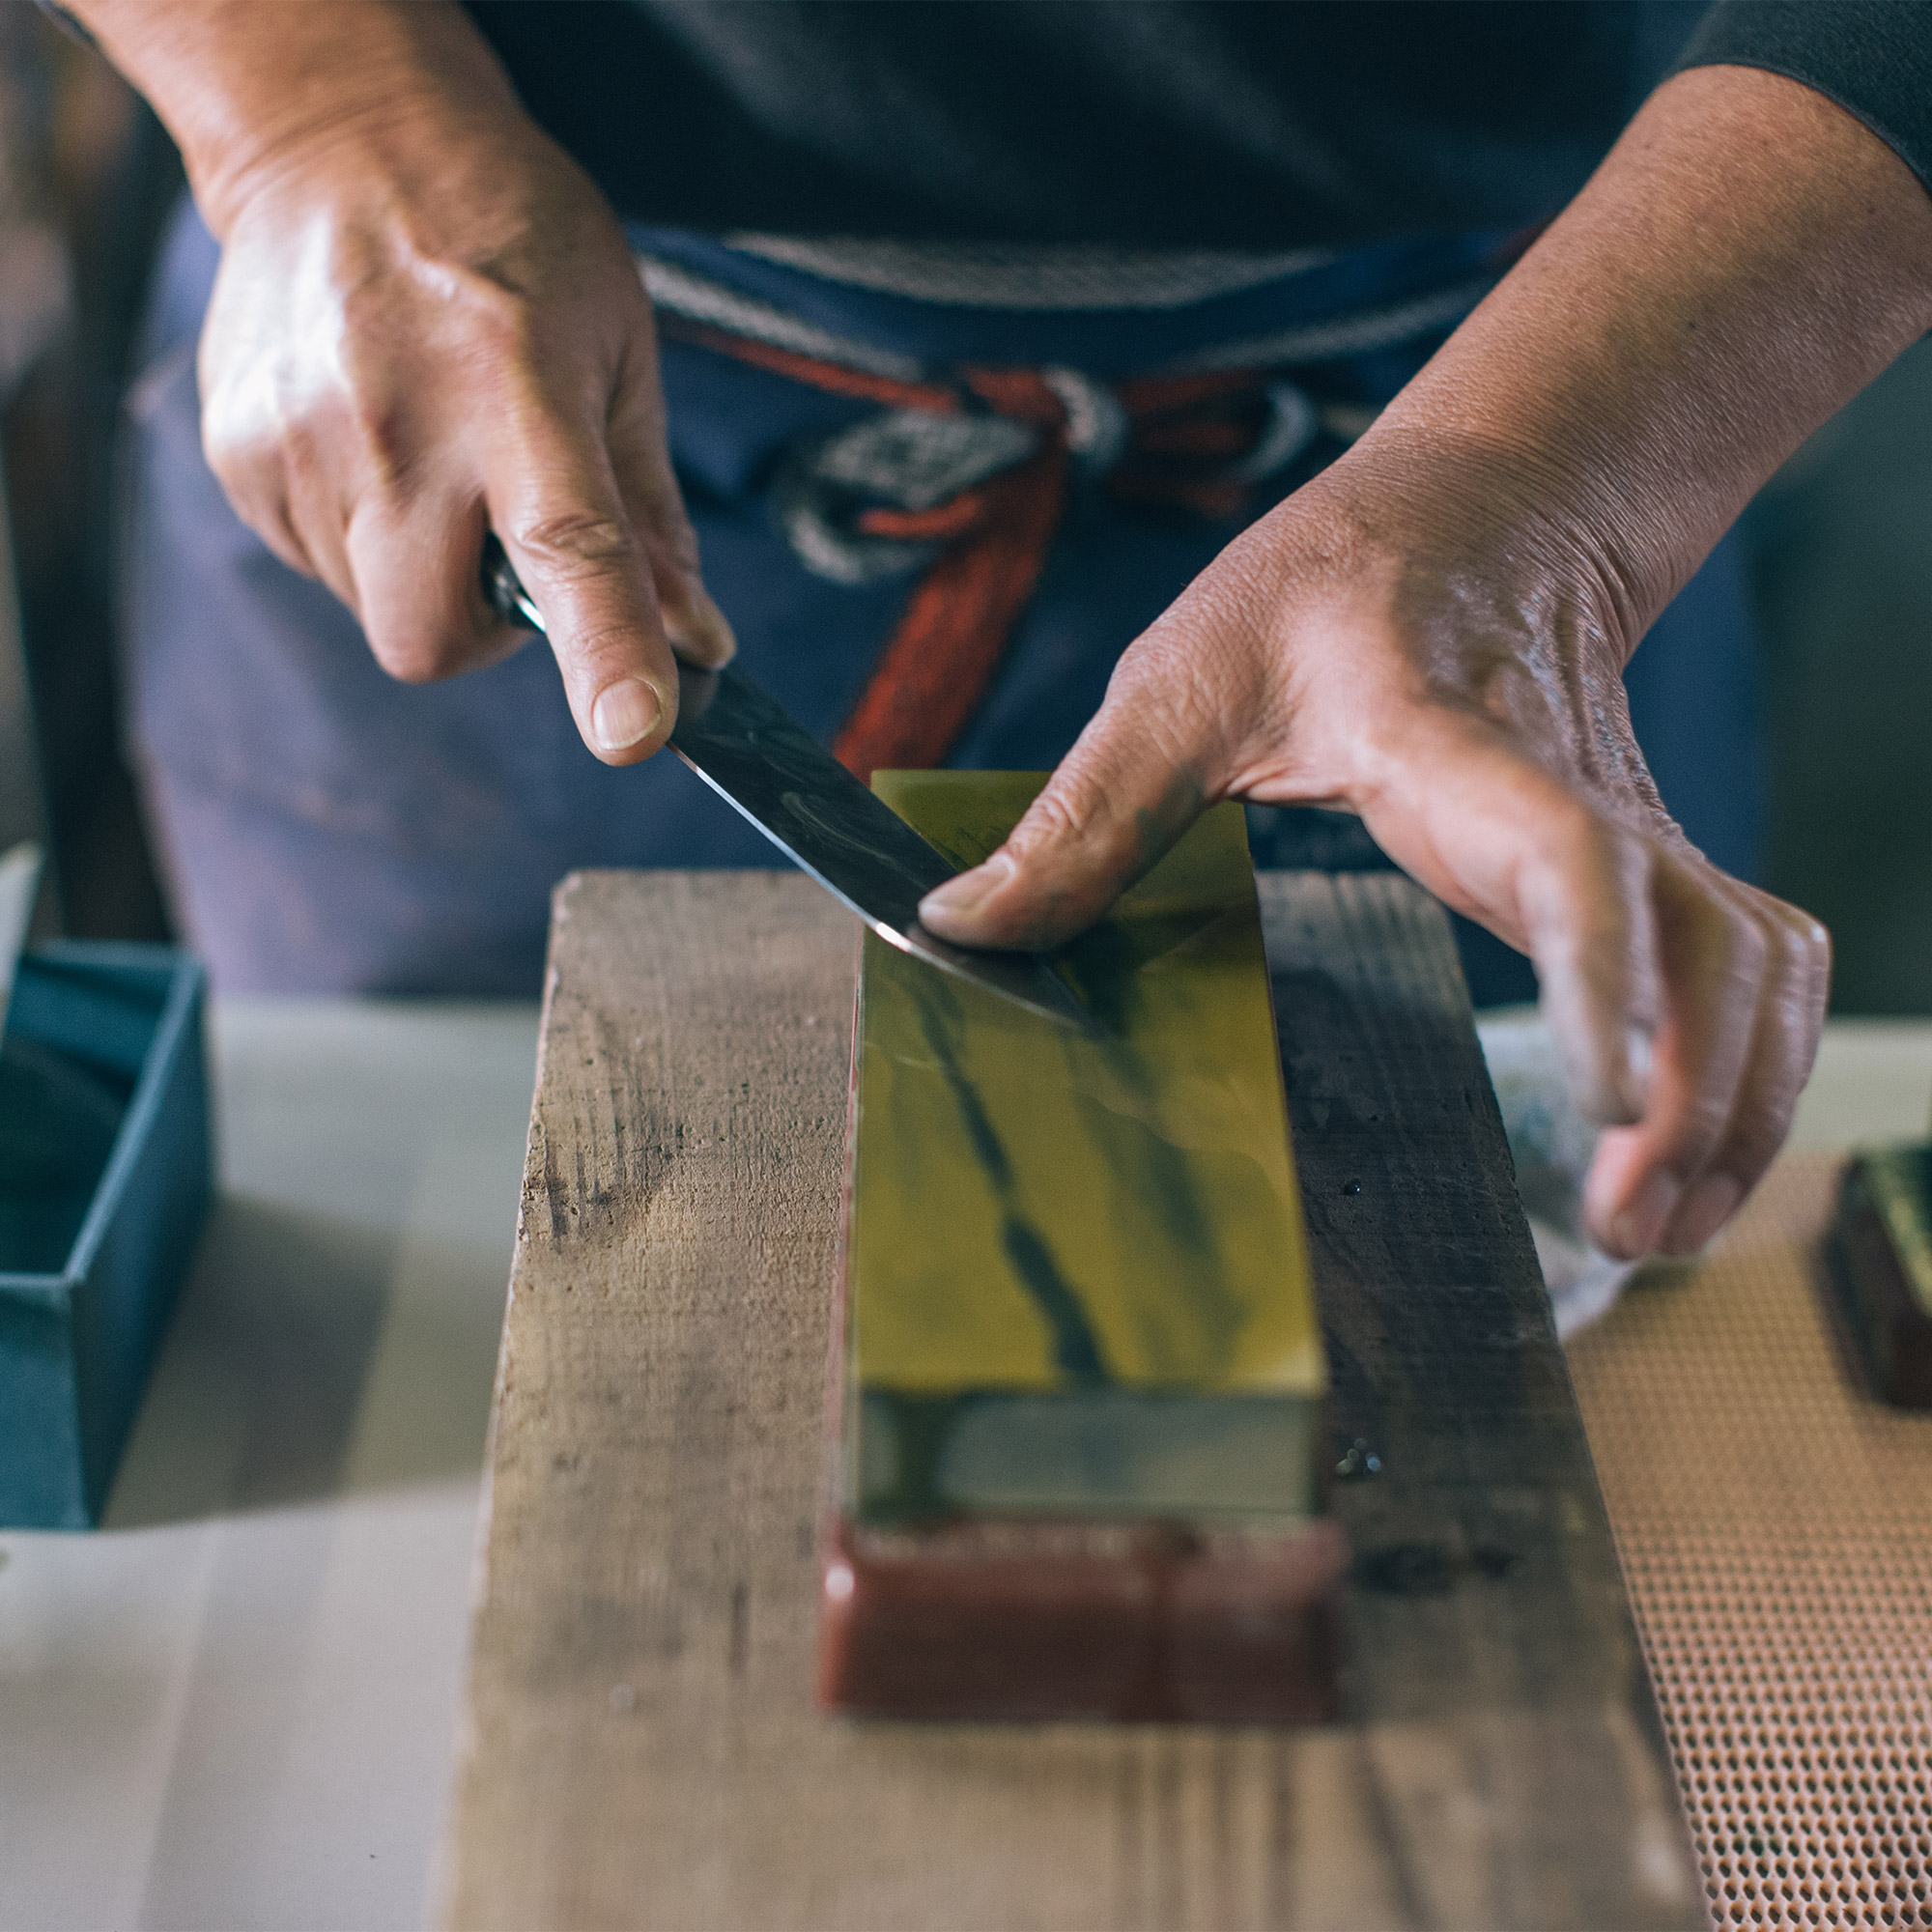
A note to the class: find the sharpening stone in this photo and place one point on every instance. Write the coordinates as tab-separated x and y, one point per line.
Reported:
1079	1376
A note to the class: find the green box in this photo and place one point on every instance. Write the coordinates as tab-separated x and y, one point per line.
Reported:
104	1181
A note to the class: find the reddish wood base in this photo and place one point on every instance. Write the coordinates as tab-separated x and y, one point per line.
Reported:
1133	1623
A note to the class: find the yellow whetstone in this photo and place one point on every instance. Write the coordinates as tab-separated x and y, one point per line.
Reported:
1082	1378
1159	1147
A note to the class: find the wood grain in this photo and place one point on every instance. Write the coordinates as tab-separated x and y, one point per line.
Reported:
640	1747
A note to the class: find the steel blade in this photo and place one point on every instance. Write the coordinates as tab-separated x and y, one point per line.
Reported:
740	740
19	890
743	744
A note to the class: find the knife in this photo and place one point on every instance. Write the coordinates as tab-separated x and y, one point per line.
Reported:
740	740
19	888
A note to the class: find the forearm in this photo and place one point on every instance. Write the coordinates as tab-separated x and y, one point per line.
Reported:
241	85
1746	260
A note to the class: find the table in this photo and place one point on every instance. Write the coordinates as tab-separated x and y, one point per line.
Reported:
233	1705
217	1718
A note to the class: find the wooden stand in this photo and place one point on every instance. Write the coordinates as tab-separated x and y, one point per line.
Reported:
640	1745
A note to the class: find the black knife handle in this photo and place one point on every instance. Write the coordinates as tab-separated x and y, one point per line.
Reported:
503	589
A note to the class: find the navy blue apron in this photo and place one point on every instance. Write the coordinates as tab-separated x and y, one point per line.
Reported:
326	829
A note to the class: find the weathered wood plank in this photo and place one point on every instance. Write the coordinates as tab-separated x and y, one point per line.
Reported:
640	1745
1490	1648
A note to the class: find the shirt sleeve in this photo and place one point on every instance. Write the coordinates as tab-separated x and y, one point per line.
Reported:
1872	57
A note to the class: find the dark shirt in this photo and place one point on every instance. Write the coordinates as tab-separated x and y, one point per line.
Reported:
1152	123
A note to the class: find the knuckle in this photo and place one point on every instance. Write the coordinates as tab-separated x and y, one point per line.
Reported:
385	444
576	544
597	651
420	653
1721	929
1752	950
1699	1134
1809	939
242	458
225	452
1593	851
680	545
1060	816
1791	961
1592	883
1754	1146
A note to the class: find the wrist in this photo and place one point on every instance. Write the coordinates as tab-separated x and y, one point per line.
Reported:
1746	260
1498	537
256	96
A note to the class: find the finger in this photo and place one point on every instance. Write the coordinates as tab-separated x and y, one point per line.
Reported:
555	504
273	500
1584	897
1136	779
641	460
416	587
1505	844
1713	959
1790	1019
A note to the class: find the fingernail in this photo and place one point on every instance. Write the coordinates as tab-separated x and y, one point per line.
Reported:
624	714
1635	1231
969	889
1706	1209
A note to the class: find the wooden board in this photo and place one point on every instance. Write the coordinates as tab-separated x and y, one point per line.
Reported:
640	1745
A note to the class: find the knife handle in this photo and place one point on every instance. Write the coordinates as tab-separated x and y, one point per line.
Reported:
503	589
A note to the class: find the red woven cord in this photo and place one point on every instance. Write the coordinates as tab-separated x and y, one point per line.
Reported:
834	378
963	514
942	654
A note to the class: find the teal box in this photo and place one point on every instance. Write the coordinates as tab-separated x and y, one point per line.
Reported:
104	1173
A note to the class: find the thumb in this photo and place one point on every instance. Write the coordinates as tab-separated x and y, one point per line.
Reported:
1129	787
559	511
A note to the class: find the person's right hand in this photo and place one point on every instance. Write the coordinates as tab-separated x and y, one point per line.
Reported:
426	324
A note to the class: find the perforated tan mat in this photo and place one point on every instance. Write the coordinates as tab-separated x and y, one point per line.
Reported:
1776	1529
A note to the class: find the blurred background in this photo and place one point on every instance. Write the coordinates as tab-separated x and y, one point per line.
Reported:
1840	548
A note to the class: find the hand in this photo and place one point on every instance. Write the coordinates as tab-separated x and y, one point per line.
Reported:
427	322
1433	631
1373	643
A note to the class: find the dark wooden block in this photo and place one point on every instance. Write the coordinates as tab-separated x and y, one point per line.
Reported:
1880	1259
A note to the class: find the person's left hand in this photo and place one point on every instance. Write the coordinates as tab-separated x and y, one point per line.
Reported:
1457	681
1433	631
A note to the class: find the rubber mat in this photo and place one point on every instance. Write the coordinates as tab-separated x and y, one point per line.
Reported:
1775	1524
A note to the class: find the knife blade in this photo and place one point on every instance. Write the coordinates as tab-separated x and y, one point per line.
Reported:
19	888
743	745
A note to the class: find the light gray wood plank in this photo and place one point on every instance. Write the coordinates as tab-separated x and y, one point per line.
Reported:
640	1745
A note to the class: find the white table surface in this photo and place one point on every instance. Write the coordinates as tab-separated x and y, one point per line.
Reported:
234	1706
